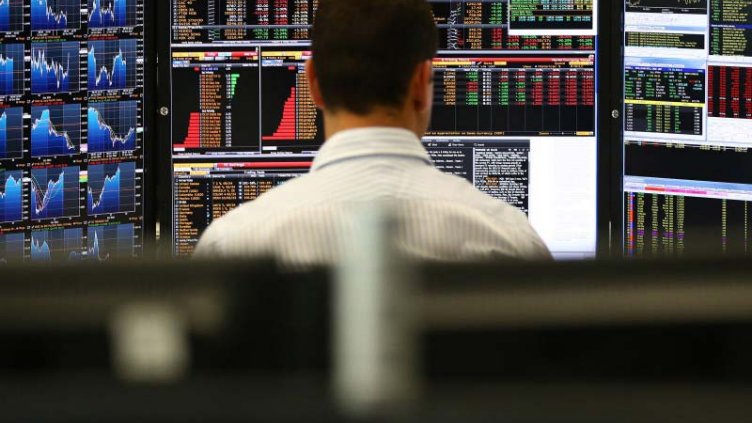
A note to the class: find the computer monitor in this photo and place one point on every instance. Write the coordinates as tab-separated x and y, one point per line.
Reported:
515	108
72	86
242	119
687	125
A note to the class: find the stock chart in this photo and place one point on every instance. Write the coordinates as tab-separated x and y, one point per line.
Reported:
112	13
11	133
112	126
112	65
11	69
71	129
57	244
11	198
111	188
11	15
110	242
55	67
55	130
55	15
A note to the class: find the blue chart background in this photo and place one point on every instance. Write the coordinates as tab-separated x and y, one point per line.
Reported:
11	248
110	192
65	118
11	133
111	13
42	21
11	196
121	118
110	242
11	15
44	57
57	245
101	61
12	73
64	201
61	138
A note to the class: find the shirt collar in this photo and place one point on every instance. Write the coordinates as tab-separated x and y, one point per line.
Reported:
364	142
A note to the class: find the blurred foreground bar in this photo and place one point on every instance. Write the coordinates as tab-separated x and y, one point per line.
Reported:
226	342
636	341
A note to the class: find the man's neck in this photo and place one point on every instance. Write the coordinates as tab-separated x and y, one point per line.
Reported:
342	121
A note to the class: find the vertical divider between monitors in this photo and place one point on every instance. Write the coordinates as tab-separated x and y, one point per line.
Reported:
616	131
151	153
604	69
163	146
610	151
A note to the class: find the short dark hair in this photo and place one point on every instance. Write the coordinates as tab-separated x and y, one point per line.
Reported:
365	52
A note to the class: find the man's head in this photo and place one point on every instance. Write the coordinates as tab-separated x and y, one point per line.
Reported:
372	62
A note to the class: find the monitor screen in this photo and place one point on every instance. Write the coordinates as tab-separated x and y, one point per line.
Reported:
71	130
688	116
515	108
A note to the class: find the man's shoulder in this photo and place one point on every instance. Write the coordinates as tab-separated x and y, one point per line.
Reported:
431	200
458	199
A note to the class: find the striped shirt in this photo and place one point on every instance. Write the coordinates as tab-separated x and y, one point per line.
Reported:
308	220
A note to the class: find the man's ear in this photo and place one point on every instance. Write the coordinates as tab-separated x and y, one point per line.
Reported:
313	84
422	86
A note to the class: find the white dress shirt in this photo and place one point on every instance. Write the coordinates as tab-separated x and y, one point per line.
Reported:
307	220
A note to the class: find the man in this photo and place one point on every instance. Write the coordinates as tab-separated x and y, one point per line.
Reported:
371	75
